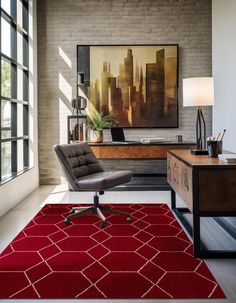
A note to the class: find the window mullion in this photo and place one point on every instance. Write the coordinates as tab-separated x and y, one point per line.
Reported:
0	103
14	88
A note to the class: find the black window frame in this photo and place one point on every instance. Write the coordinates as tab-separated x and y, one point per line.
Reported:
23	30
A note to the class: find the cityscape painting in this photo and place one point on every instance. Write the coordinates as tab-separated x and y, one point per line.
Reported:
136	85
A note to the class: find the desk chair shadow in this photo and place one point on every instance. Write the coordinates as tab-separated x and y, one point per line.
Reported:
83	172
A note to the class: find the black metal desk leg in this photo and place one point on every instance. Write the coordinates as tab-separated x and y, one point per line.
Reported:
196	235
173	199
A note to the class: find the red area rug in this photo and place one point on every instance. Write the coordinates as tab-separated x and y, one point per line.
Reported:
148	258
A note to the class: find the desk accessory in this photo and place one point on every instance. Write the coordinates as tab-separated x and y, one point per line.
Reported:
214	148
152	140
117	135
215	144
229	158
199	92
179	138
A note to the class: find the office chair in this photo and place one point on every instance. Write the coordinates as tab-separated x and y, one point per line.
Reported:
83	172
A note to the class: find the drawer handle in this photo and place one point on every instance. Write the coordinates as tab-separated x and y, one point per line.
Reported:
186	183
168	164
176	180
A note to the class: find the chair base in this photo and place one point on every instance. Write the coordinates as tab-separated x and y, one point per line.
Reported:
95	209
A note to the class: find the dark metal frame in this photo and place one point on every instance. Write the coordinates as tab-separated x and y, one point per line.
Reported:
86	81
201	142
96	209
200	250
12	60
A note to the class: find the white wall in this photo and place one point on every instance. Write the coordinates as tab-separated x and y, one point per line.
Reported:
224	69
17	189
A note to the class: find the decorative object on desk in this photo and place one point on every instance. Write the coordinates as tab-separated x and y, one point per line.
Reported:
179	138
97	122
228	158
215	144
136	84
214	148
199	92
76	128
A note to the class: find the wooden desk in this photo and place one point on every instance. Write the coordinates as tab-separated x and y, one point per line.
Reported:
136	150
208	187
146	161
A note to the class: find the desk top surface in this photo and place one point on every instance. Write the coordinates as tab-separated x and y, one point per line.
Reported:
199	160
172	143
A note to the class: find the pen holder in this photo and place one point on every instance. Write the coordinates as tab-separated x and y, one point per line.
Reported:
214	148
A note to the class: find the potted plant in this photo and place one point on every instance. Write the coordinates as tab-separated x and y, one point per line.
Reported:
97	122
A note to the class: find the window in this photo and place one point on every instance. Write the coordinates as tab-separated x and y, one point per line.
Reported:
14	75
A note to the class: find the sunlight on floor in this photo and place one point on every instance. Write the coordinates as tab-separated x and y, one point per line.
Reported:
60	194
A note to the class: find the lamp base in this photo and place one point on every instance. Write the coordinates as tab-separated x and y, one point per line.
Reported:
199	151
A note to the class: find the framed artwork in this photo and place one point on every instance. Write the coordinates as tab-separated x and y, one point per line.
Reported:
137	85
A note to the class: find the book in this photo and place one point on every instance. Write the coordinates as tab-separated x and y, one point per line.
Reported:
229	158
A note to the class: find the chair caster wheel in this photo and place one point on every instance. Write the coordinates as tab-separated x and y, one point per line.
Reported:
67	221
129	219
103	224
72	211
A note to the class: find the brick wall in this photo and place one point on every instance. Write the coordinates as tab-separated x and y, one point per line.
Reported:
62	24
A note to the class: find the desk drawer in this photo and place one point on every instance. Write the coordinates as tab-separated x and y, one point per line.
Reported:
179	176
217	190
131	152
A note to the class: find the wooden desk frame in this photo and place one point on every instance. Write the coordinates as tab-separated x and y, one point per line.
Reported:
194	231
136	150
139	152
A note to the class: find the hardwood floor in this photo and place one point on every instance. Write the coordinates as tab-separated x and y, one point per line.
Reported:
15	220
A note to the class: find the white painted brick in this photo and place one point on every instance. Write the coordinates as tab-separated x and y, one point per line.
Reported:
68	23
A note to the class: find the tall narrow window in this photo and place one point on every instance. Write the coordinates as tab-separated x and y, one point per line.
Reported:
14	76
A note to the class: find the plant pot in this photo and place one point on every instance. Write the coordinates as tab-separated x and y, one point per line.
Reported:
96	136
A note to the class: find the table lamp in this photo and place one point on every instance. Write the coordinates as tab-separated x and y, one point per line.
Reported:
199	92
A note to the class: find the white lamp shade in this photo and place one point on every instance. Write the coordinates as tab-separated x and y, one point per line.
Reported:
198	91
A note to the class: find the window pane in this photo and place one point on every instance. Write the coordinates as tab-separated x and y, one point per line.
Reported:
19	48
6	37
6	5
6	159
19	13
6	119
19	120
25	16
20	156
6	79
19	84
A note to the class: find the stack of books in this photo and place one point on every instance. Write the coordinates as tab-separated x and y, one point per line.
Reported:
229	158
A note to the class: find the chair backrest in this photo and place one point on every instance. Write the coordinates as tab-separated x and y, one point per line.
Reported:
77	160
